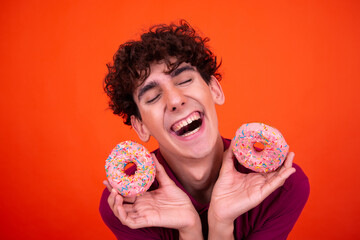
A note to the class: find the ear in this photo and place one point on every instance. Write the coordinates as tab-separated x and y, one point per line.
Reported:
140	128
216	91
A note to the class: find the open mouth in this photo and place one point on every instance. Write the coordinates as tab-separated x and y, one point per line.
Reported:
188	126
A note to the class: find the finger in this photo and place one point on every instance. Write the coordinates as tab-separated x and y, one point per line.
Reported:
114	200
287	169
135	221
133	215
111	198
289	160
129	208
278	179
130	199
107	184
287	173
118	200
228	158
119	210
130	217
161	174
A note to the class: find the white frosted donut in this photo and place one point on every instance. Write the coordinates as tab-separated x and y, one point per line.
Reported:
260	147
130	168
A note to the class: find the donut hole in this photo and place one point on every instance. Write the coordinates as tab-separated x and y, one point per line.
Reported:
130	168
259	146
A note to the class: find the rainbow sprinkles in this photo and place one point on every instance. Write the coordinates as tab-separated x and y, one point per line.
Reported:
143	176
266	158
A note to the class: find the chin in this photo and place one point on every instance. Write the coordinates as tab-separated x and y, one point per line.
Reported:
201	149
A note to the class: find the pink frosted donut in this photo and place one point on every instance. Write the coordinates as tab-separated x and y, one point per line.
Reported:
130	169
260	147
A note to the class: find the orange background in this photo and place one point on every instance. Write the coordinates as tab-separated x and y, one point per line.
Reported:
291	64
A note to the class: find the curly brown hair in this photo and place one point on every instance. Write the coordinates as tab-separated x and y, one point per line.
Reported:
161	43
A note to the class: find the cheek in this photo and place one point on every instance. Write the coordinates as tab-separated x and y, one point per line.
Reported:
151	117
206	97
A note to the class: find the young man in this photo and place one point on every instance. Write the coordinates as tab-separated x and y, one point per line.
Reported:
166	85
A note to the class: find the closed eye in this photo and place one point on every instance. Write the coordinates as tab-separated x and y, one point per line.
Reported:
185	82
153	99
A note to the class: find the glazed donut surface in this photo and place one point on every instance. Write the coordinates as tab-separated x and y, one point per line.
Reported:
260	147
130	169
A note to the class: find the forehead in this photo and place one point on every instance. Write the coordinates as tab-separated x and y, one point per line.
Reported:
158	69
168	68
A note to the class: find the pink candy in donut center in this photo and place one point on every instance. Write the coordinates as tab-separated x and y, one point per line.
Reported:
259	146
130	169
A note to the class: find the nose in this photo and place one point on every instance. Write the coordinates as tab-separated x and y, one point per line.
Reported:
175	99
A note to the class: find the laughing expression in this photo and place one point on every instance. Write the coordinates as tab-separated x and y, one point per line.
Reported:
178	110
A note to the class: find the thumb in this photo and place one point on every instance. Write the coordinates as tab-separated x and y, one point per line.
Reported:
161	174
107	184
228	159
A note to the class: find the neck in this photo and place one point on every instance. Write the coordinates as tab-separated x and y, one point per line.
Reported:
199	175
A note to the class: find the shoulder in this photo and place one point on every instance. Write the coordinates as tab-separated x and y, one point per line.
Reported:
289	199
296	190
277	214
298	178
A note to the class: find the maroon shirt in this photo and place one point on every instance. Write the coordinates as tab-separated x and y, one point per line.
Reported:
272	219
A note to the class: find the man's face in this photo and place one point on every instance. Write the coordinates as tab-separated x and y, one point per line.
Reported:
178	110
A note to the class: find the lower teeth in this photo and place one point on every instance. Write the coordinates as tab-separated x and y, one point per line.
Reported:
192	132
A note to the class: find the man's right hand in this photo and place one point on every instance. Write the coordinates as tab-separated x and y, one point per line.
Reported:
168	206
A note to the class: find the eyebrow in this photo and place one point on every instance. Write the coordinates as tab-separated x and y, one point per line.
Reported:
179	70
147	87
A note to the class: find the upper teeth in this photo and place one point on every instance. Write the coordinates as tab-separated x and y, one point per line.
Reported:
177	126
